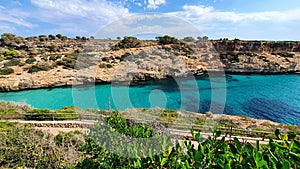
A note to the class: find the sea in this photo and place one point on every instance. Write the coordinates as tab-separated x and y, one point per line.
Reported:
270	97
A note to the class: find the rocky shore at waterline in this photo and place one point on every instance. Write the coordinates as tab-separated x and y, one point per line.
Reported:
36	64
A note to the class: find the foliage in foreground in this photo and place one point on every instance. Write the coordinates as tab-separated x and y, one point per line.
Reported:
210	153
25	147
21	146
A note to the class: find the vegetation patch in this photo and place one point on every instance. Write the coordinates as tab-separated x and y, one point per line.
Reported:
24	147
40	67
45	114
30	60
6	71
164	40
12	62
128	42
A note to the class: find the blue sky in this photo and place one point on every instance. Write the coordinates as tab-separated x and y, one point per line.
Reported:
243	19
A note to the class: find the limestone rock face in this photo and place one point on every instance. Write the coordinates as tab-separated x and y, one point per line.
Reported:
154	61
259	56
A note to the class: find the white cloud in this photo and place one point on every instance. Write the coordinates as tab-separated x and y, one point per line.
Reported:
208	13
153	4
154	24
15	17
95	9
248	25
77	16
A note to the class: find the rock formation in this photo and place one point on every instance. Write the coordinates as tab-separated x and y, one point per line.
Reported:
78	62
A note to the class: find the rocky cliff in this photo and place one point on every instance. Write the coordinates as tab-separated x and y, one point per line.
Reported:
259	56
54	63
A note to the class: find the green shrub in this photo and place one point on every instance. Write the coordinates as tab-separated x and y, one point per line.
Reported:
188	39
54	57
22	64
69	61
67	139
12	62
45	114
213	152
109	66
38	111
128	42
163	40
30	60
9	54
6	71
40	67
23	147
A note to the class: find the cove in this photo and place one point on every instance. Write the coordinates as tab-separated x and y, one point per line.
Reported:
271	97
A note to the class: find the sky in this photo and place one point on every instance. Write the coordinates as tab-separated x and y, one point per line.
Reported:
242	19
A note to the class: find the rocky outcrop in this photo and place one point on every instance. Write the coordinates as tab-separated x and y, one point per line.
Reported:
259	56
155	61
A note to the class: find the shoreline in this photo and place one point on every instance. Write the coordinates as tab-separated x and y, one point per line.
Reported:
145	82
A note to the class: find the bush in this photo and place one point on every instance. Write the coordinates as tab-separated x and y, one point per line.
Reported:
39	67
23	147
30	60
11	40
13	62
69	61
188	39
101	137
163	40
128	42
11	53
6	71
54	57
214	152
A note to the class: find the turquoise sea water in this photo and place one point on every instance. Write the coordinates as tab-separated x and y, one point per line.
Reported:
273	97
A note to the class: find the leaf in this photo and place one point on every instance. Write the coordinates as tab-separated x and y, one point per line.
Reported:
227	166
215	128
187	164
198	137
164	161
241	159
197	165
295	156
170	150
218	134
192	132
237	144
286	165
273	156
285	138
277	134
297	144
262	163
278	146
197	155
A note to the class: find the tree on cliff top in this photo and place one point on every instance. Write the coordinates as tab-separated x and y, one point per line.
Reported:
10	40
163	40
128	42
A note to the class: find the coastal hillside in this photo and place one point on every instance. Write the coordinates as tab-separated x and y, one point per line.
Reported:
56	60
